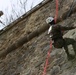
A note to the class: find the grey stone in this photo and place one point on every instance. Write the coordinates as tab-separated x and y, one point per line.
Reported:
55	70
66	66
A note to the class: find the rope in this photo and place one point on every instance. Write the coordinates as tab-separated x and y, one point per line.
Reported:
48	54
47	59
56	13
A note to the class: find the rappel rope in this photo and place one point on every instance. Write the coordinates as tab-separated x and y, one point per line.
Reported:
47	59
56	13
48	54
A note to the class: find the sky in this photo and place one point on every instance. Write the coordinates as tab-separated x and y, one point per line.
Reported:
7	5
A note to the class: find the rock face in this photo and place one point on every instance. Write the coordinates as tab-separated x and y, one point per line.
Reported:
29	59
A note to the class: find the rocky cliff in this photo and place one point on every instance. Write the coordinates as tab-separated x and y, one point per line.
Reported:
29	58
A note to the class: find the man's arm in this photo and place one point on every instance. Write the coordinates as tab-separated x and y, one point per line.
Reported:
63	28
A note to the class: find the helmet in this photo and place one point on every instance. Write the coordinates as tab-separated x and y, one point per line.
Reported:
49	20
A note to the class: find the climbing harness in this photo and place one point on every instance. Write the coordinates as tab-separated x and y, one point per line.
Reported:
48	54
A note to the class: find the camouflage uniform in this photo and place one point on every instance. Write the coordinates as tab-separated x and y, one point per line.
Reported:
69	41
59	41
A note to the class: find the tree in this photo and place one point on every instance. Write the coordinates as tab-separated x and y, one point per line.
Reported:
17	10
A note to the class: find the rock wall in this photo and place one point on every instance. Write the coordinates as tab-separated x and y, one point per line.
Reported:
30	58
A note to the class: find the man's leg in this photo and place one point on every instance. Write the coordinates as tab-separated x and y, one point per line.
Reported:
72	42
66	50
67	42
74	47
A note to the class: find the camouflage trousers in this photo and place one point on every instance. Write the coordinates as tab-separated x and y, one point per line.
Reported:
69	41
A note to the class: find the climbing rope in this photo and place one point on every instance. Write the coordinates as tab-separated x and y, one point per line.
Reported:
48	54
56	13
47	59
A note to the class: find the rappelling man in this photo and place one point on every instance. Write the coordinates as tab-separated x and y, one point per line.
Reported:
56	34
